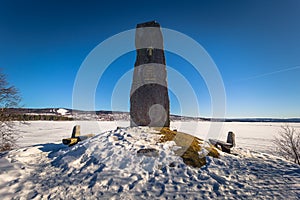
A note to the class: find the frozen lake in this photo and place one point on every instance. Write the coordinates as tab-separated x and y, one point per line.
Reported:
253	135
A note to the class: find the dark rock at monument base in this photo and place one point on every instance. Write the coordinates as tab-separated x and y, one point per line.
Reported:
148	105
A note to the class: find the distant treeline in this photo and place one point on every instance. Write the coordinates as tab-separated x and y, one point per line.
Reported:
25	117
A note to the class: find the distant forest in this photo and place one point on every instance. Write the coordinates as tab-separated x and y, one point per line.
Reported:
26	117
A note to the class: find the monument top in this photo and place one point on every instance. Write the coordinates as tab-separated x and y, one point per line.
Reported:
148	24
148	35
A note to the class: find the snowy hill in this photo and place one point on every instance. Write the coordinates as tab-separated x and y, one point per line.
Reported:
108	166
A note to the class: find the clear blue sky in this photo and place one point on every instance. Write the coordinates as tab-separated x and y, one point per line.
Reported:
255	44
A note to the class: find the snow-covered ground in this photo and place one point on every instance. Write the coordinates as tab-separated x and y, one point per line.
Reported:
40	132
107	166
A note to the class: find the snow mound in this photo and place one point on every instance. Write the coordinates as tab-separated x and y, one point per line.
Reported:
129	163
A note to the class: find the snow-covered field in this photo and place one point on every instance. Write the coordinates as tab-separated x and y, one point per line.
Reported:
107	166
252	136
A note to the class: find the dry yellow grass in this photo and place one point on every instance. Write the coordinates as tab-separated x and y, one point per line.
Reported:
190	147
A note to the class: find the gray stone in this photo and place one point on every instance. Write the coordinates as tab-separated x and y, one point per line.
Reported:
150	152
231	138
76	131
149	98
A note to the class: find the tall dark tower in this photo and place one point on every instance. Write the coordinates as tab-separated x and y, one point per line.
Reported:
149	98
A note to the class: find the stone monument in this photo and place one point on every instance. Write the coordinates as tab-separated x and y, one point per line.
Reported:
149	98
